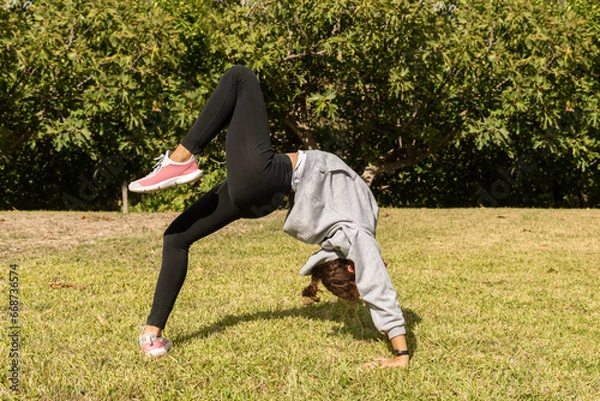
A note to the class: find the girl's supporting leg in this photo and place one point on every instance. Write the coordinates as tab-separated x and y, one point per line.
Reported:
212	212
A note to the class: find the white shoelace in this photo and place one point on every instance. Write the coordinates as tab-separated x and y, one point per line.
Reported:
158	163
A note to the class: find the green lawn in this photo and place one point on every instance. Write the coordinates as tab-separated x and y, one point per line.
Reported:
501	304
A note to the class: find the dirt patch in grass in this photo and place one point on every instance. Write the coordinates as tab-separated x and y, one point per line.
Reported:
22	231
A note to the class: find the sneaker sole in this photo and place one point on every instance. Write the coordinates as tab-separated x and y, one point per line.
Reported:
157	353
180	180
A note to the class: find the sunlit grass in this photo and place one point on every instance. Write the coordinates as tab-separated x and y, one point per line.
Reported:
501	304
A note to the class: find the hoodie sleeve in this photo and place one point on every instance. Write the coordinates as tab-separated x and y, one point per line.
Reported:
372	279
375	286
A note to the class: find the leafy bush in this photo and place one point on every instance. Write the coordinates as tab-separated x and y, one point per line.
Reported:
408	92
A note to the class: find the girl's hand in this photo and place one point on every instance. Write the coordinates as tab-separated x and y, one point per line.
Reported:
396	362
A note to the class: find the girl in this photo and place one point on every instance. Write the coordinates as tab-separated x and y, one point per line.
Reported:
330	205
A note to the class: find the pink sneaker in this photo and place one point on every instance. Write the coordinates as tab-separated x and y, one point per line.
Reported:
166	174
154	346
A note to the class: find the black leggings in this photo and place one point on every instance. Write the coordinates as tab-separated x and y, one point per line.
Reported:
257	179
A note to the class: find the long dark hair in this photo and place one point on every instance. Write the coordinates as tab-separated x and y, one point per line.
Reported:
336	278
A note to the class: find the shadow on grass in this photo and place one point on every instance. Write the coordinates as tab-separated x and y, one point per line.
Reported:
355	318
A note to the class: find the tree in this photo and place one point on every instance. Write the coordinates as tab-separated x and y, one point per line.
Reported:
537	95
91	85
414	94
361	78
387	84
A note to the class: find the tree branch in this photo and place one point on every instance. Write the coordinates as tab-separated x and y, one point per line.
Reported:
293	56
413	155
303	131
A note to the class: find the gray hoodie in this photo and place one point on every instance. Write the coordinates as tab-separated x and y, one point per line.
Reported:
333	207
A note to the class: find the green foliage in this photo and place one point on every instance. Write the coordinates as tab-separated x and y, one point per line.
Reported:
363	80
394	83
405	91
87	80
533	65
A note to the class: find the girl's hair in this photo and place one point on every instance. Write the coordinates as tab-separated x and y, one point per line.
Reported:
336	278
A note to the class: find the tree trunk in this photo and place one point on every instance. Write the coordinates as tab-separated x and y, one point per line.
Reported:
303	131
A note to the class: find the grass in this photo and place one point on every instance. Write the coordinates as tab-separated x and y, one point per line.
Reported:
502	304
